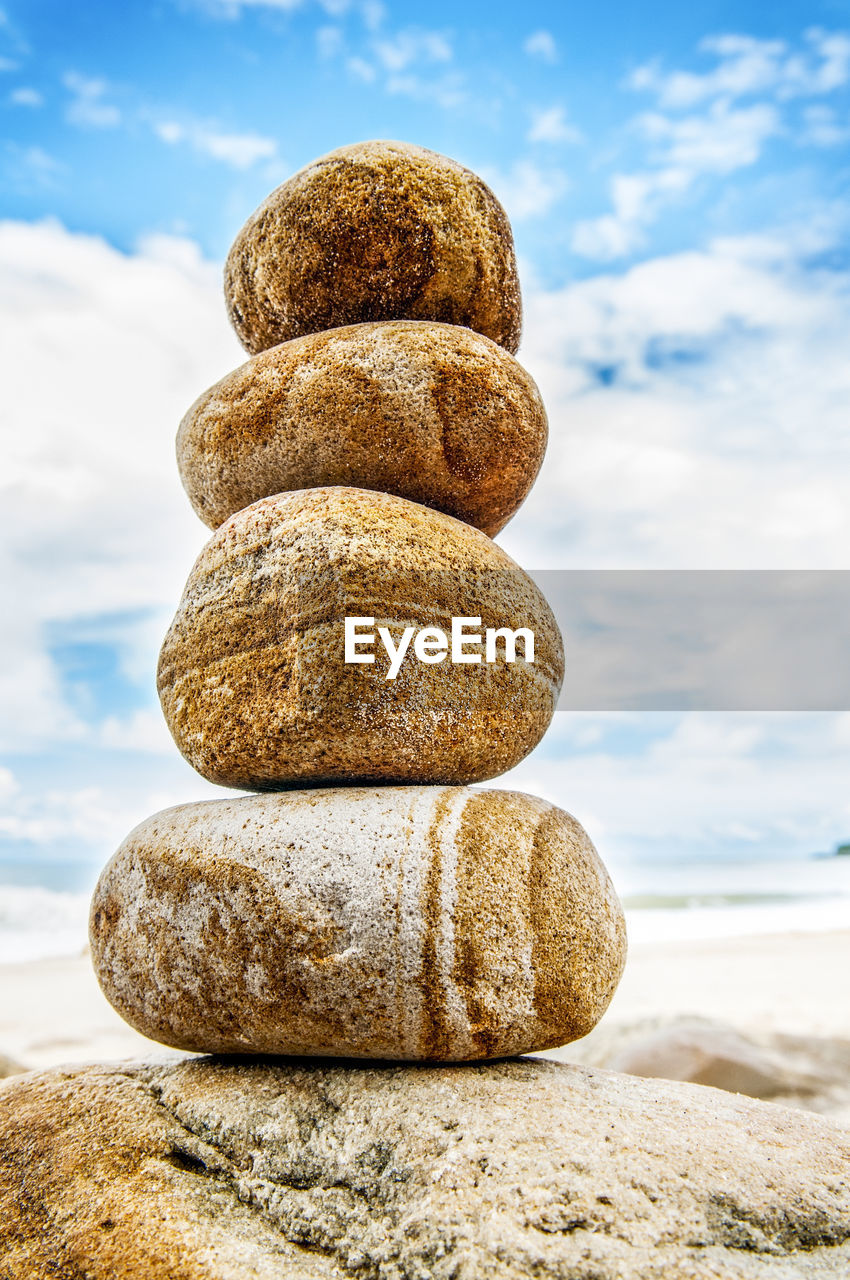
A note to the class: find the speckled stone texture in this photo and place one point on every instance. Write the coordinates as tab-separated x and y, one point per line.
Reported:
374	231
432	412
206	1170
252	676
421	923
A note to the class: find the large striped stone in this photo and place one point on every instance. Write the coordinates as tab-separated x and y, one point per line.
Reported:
420	923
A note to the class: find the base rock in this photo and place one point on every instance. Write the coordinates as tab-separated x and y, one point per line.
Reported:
209	1170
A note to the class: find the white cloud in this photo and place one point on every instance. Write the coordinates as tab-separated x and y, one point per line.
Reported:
144	731
527	190
702	784
834	69
371	11
87	107
723	135
26	97
89	820
606	238
411	61
822	127
551	125
406	60
58	816
746	65
636	199
34	164
541	44
103	354
169	131
411	46
722	140
697	405
239	150
373	14
329	41
233	8
363	70
448	91
718	142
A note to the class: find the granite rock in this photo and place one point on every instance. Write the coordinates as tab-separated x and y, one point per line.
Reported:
424	923
374	231
252	675
209	1170
432	412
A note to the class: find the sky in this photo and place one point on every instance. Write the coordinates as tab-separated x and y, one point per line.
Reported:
677	179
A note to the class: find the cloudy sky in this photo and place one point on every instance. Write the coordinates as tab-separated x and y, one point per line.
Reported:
677	179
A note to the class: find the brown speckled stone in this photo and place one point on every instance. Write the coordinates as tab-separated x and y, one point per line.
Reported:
432	412
421	923
252	676
222	1170
374	231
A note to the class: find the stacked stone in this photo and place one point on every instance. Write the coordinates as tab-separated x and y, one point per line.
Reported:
371	903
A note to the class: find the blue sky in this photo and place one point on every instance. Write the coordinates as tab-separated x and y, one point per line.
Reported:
678	183
178	117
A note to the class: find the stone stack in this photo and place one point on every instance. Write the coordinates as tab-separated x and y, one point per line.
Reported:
370	903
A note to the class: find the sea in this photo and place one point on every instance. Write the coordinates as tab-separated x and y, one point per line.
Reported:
44	906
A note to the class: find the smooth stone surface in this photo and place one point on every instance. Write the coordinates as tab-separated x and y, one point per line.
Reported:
421	923
208	1170
374	231
431	412
252	676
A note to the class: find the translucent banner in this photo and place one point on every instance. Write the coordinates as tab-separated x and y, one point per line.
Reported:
703	640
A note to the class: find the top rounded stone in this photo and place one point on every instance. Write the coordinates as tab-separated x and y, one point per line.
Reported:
374	231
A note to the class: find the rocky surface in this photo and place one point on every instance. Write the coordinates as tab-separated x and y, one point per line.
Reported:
206	1170
374	231
802	1071
432	412
397	922
252	674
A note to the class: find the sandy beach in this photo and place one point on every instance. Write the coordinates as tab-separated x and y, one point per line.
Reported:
790	982
53	1011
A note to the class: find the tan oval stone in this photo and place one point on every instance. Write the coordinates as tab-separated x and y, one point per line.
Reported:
374	231
252	676
420	923
432	412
